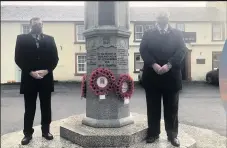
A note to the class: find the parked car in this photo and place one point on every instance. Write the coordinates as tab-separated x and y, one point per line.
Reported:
212	77
140	76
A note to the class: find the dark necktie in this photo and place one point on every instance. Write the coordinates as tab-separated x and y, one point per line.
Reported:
162	31
37	40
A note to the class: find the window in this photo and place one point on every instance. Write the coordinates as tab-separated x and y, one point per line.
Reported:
216	59
138	32
180	27
217	32
81	64
173	25
147	27
140	29
138	61
79	33
25	28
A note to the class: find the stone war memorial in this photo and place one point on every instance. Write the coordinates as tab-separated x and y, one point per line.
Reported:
107	86
108	121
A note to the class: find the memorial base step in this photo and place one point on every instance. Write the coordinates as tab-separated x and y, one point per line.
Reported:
132	135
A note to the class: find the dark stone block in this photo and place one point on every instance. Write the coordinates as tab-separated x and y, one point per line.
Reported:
106	13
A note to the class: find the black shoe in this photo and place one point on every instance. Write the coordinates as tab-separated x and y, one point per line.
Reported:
26	140
152	139
48	136
174	141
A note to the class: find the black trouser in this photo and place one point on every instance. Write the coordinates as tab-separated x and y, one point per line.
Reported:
30	109
170	103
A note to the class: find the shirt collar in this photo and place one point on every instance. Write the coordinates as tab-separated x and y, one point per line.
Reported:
165	30
37	35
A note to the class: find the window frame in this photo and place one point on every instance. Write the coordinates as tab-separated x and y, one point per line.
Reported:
149	27
222	31
151	23
143	24
22	28
173	25
77	72
136	25
77	40
141	60
177	24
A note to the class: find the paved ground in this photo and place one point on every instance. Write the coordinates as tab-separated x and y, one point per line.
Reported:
200	105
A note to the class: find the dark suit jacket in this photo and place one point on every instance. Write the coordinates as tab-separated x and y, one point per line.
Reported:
30	58
161	49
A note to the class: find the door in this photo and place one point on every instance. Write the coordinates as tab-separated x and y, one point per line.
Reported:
186	66
216	59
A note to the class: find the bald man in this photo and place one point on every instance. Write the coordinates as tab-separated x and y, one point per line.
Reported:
162	50
36	55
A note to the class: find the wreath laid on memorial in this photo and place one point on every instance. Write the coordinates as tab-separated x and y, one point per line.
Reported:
104	75
84	87
124	79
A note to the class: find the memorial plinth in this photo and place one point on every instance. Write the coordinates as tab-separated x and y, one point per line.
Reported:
131	136
87	136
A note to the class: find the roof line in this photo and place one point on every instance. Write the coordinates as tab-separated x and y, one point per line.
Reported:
76	13
83	6
83	21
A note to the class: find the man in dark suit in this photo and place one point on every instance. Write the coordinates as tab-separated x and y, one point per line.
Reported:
162	50
36	55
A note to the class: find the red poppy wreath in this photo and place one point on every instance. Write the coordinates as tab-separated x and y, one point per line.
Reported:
102	81
124	87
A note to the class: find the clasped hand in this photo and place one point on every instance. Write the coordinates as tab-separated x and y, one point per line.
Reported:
160	70
39	74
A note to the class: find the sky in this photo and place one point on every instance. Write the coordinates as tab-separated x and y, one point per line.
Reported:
134	3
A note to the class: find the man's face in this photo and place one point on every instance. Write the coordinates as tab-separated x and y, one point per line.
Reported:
162	21
36	26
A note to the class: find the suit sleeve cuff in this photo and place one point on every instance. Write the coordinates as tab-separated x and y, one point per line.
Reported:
169	65
49	70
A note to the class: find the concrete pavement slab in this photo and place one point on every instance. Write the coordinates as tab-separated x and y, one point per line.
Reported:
204	138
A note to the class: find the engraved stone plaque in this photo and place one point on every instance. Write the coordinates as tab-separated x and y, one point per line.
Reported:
107	57
92	57
122	58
